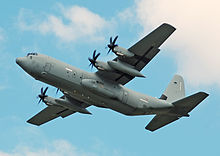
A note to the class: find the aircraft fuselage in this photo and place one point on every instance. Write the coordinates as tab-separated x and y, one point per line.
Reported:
90	88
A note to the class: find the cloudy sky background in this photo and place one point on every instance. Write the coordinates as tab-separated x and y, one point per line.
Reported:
70	31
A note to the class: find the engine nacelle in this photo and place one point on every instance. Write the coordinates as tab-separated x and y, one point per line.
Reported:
125	68
120	51
103	66
65	103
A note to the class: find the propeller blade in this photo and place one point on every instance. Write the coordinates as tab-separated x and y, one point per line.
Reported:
42	90
94	54
115	40
109	50
45	91
95	58
57	90
90	63
92	66
110	40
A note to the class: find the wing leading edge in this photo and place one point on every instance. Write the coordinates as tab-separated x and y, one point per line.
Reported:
144	51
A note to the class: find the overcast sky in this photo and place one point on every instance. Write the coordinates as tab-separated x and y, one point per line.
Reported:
70	31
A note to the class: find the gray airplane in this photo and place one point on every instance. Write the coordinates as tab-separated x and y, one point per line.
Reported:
105	88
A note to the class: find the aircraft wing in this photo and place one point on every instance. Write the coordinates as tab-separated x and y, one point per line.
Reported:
144	51
159	121
53	111
49	113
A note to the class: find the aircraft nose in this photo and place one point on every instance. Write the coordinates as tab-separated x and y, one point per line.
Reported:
19	61
22	62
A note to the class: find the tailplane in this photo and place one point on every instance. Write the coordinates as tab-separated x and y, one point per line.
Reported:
181	108
175	90
187	104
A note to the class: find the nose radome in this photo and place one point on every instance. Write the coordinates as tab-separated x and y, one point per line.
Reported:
19	60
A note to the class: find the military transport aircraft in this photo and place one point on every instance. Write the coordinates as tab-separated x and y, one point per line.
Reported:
105	88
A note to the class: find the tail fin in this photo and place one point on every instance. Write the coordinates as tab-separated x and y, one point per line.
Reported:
175	90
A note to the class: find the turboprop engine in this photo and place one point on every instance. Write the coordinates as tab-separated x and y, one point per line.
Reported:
103	66
125	68
63	102
116	65
118	50
98	64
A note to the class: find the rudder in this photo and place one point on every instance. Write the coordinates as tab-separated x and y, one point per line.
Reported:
175	89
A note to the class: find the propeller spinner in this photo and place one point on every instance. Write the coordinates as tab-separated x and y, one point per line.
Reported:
93	59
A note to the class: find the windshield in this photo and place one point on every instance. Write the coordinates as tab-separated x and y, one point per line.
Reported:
31	54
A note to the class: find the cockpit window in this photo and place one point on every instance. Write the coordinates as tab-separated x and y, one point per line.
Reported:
31	54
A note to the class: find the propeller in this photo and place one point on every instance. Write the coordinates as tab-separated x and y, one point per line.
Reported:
93	59
112	45
43	94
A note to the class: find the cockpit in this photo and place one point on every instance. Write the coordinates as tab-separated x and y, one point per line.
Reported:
31	54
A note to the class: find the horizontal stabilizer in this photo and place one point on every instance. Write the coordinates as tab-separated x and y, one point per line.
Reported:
187	104
159	121
181	108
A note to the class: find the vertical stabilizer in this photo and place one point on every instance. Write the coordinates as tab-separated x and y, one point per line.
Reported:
175	89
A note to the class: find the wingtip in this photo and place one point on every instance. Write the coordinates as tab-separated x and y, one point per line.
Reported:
147	128
89	113
32	123
169	26
205	94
